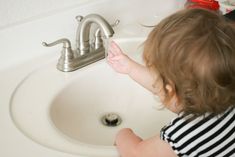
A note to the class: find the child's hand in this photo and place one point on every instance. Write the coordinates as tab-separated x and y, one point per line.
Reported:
118	60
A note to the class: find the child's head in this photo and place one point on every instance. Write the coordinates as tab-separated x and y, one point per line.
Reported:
193	50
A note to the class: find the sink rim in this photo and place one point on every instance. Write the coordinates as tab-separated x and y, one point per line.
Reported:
98	149
84	148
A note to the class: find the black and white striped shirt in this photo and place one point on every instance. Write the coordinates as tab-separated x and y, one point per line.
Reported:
205	136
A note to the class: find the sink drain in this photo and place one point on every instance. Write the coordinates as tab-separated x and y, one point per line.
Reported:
111	119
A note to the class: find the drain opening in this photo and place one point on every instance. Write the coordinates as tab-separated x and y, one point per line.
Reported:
111	120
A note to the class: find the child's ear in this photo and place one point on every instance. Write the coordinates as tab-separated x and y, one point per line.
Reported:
174	102
169	88
171	92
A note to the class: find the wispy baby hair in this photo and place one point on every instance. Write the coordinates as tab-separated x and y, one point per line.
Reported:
193	50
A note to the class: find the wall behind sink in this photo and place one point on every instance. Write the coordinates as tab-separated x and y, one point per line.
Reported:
13	12
25	24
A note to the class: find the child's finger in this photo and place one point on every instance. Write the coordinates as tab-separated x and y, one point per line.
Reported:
113	56
116	58
110	54
112	64
116	48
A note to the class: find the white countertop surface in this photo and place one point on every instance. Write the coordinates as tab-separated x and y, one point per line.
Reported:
21	53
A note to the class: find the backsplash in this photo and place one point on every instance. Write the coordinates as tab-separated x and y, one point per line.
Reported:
21	37
13	12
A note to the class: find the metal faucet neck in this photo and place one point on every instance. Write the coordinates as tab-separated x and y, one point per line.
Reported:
83	32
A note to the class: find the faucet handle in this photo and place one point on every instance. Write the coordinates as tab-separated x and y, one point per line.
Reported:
79	18
115	23
66	60
66	43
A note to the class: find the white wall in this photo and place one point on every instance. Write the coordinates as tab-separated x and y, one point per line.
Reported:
14	12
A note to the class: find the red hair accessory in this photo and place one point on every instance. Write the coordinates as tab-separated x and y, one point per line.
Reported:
207	4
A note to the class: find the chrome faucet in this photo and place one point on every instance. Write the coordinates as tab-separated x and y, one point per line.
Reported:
85	52
83	31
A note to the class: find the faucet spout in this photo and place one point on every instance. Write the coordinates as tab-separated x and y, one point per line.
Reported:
83	31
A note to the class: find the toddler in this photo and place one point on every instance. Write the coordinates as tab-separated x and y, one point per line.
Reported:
190	64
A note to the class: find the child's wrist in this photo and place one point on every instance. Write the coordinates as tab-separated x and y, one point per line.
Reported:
132	67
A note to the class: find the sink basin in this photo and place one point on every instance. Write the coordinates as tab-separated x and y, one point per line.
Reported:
65	111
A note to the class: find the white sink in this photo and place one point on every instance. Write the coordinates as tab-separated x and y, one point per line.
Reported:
63	111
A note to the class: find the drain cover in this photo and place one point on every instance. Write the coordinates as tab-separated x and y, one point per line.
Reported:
111	119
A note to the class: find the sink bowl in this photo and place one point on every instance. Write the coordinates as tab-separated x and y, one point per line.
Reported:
80	112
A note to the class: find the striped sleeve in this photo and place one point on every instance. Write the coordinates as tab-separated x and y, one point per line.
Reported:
205	136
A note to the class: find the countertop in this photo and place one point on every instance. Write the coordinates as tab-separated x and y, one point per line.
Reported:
22	53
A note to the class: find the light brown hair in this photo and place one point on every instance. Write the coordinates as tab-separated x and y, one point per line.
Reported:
193	50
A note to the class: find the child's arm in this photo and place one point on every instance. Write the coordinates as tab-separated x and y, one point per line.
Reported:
123	64
130	145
